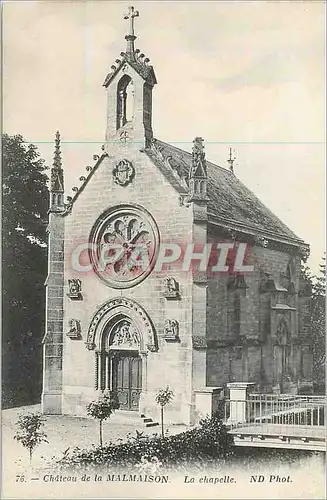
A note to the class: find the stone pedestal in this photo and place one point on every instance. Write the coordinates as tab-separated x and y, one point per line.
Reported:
238	393
206	401
51	403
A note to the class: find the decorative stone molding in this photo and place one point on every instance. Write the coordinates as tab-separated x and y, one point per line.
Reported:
171	290
90	346
304	252
120	307
123	173
152	348
273	241
74	332
137	60
157	152
77	190
75	289
184	200
233	342
237	283
199	342
124	136
171	330
261	241
200	277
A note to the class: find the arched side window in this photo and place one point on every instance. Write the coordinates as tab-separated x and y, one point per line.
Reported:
283	342
125	101
236	288
233	313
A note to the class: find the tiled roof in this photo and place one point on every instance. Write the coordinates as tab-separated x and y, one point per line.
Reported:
230	201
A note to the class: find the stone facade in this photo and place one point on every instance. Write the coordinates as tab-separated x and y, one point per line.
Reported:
137	333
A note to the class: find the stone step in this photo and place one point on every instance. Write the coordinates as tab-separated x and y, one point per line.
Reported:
134	418
151	424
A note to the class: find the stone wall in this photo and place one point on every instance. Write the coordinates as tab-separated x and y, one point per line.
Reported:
252	357
171	365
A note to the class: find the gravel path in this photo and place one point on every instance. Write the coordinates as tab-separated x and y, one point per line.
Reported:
64	432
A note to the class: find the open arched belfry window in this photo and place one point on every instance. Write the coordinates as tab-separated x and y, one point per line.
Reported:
125	101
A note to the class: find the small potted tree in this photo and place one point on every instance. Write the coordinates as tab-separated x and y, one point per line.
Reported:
102	409
29	432
163	397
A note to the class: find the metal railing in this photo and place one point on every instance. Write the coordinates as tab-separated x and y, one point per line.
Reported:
282	409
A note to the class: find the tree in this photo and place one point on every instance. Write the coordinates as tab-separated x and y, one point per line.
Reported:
163	397
29	432
102	409
318	324
316	288
24	219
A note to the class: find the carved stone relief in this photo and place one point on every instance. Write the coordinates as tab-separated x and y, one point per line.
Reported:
171	290
171	330
75	289
74	329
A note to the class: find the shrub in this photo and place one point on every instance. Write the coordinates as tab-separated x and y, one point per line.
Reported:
210	440
102	409
163	397
29	432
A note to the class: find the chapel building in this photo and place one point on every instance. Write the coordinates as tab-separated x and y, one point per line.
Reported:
124	325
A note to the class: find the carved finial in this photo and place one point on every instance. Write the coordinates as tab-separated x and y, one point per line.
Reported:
198	173
57	152
57	175
231	160
199	168
132	13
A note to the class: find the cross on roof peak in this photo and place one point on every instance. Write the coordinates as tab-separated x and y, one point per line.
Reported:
131	14
231	160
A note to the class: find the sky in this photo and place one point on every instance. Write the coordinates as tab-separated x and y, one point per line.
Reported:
249	75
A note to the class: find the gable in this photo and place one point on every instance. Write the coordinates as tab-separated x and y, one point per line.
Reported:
135	60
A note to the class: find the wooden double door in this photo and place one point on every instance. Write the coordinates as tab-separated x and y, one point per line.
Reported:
127	380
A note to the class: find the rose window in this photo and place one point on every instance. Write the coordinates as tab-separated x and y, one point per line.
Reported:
125	242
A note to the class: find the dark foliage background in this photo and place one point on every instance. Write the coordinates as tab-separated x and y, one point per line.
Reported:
318	323
25	199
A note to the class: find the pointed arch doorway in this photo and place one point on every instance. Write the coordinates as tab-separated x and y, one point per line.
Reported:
122	334
122	362
122	346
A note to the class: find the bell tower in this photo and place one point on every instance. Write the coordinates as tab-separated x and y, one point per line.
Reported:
129	89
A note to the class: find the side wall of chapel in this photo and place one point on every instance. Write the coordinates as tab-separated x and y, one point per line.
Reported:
247	352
